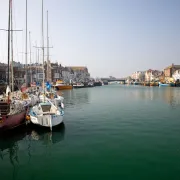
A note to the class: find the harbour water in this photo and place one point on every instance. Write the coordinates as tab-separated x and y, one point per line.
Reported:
109	132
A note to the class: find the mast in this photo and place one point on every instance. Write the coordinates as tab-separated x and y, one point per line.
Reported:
38	65
36	62
26	49
47	50
48	61
30	55
43	51
12	73
9	18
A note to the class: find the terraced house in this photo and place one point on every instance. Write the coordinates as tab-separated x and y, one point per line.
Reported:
170	70
176	75
80	73
3	71
152	75
138	75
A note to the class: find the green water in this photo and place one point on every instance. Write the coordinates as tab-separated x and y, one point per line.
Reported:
109	132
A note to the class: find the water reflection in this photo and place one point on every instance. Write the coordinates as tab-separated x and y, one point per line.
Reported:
169	95
47	137
9	148
25	140
9	141
76	97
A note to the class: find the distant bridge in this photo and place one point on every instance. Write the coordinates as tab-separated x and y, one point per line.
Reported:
111	80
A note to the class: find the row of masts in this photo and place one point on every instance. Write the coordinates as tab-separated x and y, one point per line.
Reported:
10	45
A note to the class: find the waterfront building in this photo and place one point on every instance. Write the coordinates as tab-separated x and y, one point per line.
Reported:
56	72
138	75
176	75
152	75
19	75
36	71
67	75
53	71
169	71
79	73
3	72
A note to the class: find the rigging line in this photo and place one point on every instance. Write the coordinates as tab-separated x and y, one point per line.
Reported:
3	45
22	56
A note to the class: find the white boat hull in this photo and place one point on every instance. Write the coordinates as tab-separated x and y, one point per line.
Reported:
47	114
47	120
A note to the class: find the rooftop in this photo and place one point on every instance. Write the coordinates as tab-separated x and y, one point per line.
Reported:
75	68
173	66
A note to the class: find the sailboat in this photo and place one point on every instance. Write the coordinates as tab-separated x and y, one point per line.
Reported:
12	108
49	112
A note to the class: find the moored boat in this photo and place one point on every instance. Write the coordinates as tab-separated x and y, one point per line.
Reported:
136	83
172	84
78	85
146	84
97	83
12	107
8	121
105	82
154	84
12	112
60	85
90	84
164	84
177	84
47	114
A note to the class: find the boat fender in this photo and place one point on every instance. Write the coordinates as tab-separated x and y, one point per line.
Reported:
27	117
62	105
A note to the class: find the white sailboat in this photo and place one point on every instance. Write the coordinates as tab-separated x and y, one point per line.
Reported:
49	112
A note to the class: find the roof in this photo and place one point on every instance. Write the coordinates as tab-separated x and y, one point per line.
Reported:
3	64
77	68
150	70
173	66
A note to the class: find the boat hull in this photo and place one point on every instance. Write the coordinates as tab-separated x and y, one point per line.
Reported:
177	84
146	84
12	121
136	83
154	84
97	84
90	86
65	87
76	86
47	120
172	84
164	85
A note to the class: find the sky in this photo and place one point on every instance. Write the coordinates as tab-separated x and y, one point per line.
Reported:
110	37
